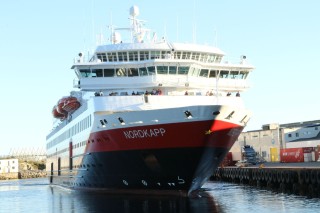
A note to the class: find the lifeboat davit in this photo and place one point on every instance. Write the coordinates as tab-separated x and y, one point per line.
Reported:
58	115
71	104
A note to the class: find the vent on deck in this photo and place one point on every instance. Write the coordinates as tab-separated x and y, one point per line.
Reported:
188	114
121	121
216	113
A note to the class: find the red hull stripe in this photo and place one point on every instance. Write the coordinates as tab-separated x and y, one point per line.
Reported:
176	135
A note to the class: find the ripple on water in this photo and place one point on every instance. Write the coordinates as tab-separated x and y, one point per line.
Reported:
35	195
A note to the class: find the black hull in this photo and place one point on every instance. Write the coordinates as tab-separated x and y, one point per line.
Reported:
159	170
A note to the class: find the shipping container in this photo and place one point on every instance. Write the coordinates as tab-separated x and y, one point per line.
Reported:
317	153
291	155
313	154
308	154
308	149
316	156
307	157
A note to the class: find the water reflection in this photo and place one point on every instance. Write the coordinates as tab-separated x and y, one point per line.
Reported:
36	195
73	201
244	198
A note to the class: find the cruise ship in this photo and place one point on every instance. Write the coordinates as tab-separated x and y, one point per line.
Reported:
147	115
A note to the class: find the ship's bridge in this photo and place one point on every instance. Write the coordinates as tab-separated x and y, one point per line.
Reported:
139	65
146	62
129	52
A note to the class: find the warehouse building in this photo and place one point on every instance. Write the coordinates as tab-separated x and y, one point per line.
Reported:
9	166
276	141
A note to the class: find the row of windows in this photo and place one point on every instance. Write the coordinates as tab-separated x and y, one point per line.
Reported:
163	70
75	129
83	143
7	162
74	146
149	55
7	167
305	133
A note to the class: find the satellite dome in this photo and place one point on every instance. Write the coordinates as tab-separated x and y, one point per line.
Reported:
134	11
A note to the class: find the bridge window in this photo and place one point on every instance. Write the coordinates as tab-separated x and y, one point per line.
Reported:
218	59
133	56
177	55
122	56
96	73
133	72
162	70
144	55
211	58
165	54
172	70
152	70
143	71
102	56
108	72
243	74
224	74
204	73
234	75
85	73
201	57
186	55
213	73
204	57
195	56
194	71
183	70
121	72
154	54
112	57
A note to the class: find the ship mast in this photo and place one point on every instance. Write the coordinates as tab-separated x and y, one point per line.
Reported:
137	32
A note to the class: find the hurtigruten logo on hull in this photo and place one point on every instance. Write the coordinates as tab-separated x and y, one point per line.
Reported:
144	133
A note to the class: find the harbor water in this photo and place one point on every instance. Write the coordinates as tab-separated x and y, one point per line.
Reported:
36	195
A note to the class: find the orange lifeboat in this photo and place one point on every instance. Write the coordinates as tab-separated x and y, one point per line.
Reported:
64	106
58	115
71	104
60	106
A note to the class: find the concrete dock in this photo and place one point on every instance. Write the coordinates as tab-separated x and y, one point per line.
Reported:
293	178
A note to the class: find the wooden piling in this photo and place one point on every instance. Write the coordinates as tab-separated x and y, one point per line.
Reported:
293	180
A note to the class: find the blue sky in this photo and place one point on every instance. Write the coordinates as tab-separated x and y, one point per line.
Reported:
39	39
